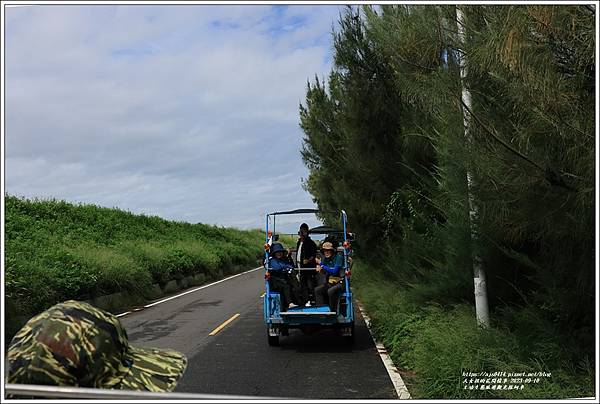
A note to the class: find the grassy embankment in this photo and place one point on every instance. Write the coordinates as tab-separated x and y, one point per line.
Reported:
433	344
57	251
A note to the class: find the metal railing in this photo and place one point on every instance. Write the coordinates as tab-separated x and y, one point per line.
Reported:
291	269
294	269
34	390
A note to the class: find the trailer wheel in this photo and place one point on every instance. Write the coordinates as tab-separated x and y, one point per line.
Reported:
272	339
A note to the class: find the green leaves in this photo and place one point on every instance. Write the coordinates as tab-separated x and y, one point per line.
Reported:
385	140
57	251
433	344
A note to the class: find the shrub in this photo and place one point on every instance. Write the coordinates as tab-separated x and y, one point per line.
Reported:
57	251
437	343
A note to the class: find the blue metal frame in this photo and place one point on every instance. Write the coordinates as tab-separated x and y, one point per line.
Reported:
272	300
267	291
348	294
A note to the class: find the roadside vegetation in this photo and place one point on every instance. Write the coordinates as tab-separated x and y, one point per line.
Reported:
57	251
384	139
432	344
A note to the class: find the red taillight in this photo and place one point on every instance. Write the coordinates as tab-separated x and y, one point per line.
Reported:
267	275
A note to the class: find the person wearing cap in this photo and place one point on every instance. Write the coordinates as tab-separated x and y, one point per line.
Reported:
76	344
280	270
331	265
306	255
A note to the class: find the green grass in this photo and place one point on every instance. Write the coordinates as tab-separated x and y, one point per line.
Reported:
57	251
434	344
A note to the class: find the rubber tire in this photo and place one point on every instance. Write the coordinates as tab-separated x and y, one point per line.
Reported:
273	341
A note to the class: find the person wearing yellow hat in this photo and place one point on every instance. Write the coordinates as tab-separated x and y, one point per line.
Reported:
331	265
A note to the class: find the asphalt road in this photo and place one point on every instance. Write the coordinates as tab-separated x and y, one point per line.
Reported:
237	359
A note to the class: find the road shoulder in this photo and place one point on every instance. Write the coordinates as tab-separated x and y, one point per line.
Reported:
393	372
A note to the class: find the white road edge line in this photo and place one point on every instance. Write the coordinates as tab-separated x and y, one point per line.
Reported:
397	381
192	290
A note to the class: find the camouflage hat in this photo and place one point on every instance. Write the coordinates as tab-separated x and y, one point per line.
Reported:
76	344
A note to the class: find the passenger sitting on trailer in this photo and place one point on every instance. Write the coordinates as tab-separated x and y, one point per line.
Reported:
293	278
331	269
279	269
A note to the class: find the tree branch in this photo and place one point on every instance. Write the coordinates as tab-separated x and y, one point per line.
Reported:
549	174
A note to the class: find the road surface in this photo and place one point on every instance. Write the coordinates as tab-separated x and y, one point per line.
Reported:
237	360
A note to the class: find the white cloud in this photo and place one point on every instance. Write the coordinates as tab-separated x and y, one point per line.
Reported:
186	112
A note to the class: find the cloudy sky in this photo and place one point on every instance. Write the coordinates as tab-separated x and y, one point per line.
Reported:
187	112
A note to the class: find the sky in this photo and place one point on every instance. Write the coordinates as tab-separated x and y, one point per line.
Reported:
187	112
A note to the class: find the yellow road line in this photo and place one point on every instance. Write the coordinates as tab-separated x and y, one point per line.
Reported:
219	328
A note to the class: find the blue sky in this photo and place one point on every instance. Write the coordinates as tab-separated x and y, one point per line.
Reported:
188	112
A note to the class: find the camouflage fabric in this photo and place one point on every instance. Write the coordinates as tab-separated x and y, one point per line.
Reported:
76	344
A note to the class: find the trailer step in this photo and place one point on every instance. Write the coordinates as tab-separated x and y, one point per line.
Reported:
310	309
308	313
